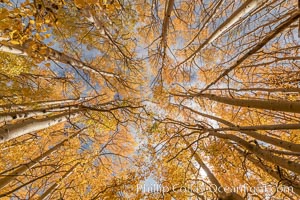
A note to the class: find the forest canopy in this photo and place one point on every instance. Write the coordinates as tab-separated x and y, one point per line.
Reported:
149	99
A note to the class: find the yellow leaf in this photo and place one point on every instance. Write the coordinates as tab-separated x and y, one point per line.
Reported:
38	36
11	34
44	29
14	42
3	13
79	3
91	1
43	51
31	22
47	64
34	47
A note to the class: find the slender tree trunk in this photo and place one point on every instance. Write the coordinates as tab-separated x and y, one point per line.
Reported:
295	14
40	103
275	105
54	55
269	90
271	140
222	195
237	15
299	20
165	25
263	154
281	152
33	113
260	127
9	132
206	21
55	185
23	168
45	77
12	50
275	174
90	15
27	183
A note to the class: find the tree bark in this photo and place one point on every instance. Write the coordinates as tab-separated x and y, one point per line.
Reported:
264	138
55	185
18	115
15	130
263	154
23	168
237	15
275	174
294	16
269	90
221	195
275	105
40	103
12	50
165	25
26	183
54	55
260	127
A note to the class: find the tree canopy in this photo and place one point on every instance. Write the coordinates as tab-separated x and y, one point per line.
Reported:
150	99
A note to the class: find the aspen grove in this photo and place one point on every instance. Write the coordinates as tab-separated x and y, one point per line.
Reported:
149	99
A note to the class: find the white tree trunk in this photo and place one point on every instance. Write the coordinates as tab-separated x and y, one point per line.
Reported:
55	185
167	17
211	176
42	103
4	117
260	127
12	50
54	55
23	168
268	90
275	105
15	130
294	16
236	16
263	154
275	174
271	140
